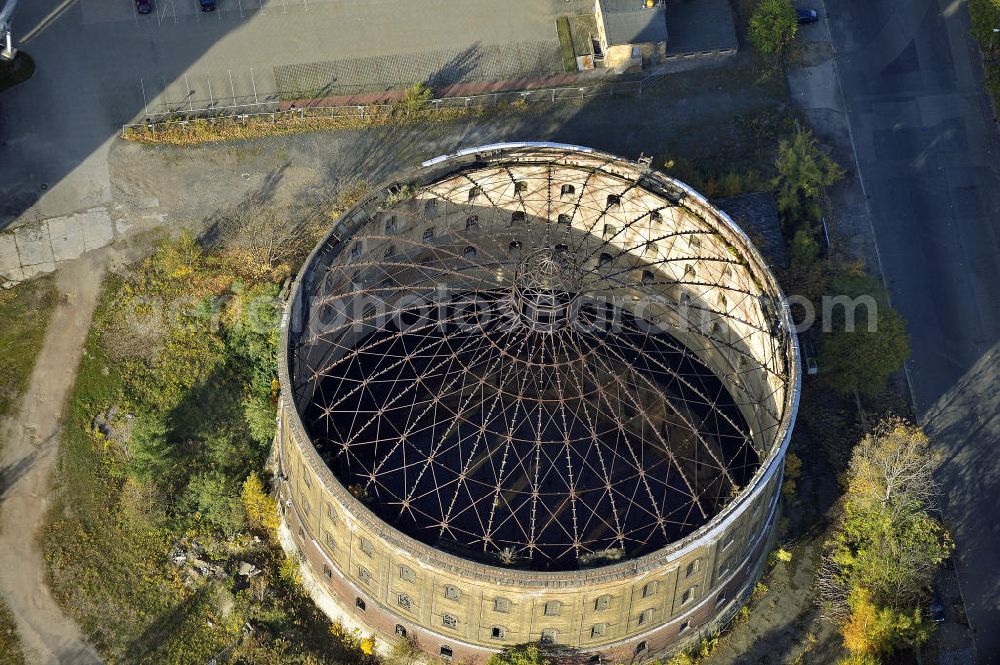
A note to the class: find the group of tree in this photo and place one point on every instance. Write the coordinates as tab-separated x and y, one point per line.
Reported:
985	22
887	545
864	340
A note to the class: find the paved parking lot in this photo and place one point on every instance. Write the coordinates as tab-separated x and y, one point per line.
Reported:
101	64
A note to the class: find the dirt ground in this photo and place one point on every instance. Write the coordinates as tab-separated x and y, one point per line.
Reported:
714	118
27	458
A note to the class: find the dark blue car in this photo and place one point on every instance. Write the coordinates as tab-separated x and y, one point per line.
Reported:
807	16
207	5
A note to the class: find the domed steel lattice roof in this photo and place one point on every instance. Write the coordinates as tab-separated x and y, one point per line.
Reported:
541	363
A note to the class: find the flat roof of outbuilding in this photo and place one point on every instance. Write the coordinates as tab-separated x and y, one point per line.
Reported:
631	22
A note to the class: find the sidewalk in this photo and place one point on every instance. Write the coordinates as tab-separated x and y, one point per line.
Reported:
815	88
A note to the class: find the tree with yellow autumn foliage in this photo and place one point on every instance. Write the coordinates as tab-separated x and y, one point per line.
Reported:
887	545
261	509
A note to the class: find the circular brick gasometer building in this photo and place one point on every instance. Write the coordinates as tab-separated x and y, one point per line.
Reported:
535	392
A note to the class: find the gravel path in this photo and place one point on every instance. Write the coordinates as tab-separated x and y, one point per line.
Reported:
29	452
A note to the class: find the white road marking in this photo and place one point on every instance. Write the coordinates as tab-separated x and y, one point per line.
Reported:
188	92
254	83
145	105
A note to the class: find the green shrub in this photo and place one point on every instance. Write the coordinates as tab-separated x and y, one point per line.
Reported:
417	98
862	360
804	172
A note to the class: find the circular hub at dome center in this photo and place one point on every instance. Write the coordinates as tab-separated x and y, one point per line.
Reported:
546	289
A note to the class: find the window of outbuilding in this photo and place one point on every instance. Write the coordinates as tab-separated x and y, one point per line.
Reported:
359	603
498	632
400	630
404	601
552	608
520	186
598	630
474	194
446	652
452	592
366	546
614	201
602	603
648	589
501	605
567	190
646	617
549	636
641	647
448	621
406	574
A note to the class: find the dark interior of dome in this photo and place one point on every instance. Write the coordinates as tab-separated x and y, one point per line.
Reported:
545	449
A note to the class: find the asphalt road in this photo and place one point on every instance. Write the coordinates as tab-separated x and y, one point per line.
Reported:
928	146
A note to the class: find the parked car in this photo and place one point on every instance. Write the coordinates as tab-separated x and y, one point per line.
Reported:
807	16
144	6
207	5
936	608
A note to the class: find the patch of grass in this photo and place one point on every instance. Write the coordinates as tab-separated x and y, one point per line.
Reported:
152	514
196	131
10	645
582	28
566	44
25	311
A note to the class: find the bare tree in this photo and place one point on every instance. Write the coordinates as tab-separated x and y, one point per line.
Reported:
895	465
261	239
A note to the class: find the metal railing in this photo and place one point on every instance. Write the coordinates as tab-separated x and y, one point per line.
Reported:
254	112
